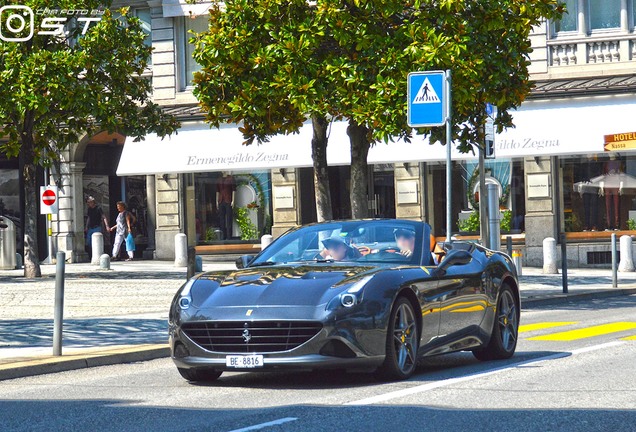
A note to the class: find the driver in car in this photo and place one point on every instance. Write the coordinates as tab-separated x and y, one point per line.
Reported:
339	250
405	240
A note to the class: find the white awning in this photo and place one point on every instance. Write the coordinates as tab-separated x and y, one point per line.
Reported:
552	127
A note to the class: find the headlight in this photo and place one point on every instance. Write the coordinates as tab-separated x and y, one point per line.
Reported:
184	297
351	297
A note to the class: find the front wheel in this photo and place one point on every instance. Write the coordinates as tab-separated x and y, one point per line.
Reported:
503	340
401	343
197	375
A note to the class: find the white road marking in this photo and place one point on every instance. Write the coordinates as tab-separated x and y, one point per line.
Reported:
265	425
447	382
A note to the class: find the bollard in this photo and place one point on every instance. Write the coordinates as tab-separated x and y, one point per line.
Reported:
509	245
614	259
18	261
104	262
192	253
627	259
97	247
58	313
517	256
198	263
180	250
549	256
266	240
564	263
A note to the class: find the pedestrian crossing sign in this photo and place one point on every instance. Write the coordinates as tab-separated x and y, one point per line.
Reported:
427	99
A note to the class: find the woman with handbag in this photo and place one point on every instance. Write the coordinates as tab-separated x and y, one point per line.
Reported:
123	231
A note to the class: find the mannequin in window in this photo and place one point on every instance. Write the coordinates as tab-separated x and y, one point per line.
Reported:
613	166
589	193
225	189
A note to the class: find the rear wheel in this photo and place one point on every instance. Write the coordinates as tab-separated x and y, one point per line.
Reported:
196	375
503	340
401	343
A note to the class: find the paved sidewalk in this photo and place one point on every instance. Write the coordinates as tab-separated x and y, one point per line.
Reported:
120	315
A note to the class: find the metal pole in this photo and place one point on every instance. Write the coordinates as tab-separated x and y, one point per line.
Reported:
614	264
49	227
58	316
483	202
509	245
564	264
191	271
449	168
493	217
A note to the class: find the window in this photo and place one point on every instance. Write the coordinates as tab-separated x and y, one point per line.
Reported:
146	24
605	14
568	22
192	25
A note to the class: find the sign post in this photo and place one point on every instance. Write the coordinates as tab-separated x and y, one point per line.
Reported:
48	206
429	105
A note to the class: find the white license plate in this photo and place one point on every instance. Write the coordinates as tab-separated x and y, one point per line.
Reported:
244	361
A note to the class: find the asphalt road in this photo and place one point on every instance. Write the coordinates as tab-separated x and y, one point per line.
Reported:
575	370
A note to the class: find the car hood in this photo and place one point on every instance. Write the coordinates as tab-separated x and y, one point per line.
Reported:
281	285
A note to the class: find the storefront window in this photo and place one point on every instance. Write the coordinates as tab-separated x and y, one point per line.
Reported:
599	192
605	14
508	177
249	212
568	21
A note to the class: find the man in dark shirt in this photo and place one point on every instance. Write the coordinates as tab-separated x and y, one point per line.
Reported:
225	200
94	219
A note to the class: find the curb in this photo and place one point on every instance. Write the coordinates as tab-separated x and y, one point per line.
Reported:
536	302
47	365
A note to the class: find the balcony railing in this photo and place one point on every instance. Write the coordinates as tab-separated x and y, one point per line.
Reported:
591	50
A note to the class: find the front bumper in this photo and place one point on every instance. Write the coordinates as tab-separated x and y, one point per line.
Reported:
316	353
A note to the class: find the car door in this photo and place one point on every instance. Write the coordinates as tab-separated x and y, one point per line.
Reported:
463	299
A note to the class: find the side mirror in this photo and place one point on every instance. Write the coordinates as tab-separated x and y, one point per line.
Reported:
454	257
243	261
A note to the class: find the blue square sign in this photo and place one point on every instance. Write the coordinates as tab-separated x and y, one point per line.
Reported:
427	99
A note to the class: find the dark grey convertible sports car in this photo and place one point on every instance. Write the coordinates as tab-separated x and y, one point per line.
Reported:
347	294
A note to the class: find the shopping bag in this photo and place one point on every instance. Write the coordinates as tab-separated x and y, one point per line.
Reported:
130	242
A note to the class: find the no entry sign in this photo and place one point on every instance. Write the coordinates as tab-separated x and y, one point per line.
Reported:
48	200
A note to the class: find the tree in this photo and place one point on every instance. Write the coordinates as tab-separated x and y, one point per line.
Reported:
262	65
349	59
56	88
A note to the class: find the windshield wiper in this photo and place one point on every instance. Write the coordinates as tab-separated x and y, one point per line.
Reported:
264	263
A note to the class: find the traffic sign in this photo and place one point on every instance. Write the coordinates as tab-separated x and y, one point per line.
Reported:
489	129
48	200
427	99
620	141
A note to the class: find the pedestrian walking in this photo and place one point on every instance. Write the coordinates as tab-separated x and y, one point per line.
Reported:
123	229
94	218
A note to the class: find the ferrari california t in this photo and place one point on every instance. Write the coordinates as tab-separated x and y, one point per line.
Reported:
373	294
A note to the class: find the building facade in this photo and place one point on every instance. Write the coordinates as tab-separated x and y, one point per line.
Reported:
567	166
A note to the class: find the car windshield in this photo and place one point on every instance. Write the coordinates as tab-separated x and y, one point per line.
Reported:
389	241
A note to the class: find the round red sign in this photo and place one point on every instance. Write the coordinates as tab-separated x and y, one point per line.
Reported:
48	197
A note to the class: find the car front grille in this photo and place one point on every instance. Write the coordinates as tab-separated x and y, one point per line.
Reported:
250	337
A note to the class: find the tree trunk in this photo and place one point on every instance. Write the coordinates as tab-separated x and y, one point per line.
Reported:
324	210
30	228
358	136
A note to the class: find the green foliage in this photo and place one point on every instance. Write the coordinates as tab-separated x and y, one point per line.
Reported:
572	223
210	235
270	64
506	221
631	224
247	227
471	223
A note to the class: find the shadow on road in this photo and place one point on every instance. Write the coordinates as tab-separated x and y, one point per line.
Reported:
83	332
